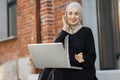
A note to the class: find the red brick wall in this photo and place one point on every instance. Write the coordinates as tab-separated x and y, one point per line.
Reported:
47	21
26	30
8	51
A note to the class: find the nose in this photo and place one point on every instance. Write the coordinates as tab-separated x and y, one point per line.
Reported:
72	16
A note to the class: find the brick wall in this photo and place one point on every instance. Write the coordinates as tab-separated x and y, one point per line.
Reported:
47	20
26	24
26	30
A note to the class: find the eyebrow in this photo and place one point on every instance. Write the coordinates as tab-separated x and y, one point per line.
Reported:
75	12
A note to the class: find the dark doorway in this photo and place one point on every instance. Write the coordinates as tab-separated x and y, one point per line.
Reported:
109	32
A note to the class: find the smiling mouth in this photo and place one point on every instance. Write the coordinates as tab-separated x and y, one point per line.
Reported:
73	21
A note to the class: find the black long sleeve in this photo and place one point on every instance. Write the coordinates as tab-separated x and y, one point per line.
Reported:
90	50
61	37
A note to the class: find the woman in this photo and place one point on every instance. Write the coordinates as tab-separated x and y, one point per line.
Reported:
79	45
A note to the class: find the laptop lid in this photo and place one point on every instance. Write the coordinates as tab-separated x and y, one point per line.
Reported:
49	55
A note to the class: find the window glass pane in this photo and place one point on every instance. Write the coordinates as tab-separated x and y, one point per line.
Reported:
119	12
118	35
3	19
12	20
11	1
106	35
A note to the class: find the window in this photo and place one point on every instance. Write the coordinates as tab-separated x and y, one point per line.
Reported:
8	28
109	33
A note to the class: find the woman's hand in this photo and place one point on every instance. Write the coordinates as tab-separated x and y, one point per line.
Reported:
79	57
65	24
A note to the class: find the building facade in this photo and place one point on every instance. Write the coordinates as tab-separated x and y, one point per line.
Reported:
24	22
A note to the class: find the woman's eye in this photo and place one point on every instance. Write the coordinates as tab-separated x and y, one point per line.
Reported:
77	13
70	13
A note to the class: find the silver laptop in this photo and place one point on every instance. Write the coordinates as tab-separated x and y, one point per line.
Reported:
50	55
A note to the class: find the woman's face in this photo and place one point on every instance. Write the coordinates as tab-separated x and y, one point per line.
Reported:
73	16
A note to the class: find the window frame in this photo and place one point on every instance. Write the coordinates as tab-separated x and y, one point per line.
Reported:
10	34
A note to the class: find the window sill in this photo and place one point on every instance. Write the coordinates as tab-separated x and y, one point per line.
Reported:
8	38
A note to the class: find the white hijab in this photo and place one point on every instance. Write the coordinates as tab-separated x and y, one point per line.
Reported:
78	26
79	8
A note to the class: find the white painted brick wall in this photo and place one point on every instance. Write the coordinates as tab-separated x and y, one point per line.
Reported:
16	69
1	72
33	77
8	70
24	68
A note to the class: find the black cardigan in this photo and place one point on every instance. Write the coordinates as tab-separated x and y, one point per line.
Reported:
82	41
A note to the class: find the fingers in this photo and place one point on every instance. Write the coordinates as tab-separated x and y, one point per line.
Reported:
79	57
80	54
65	25
64	21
